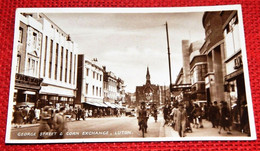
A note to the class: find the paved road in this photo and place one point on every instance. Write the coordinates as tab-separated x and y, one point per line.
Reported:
122	127
109	127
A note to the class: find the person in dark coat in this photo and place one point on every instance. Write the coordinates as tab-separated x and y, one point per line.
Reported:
166	111
142	116
214	114
244	119
224	117
31	115
18	117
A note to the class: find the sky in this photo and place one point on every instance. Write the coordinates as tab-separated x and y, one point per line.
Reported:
128	43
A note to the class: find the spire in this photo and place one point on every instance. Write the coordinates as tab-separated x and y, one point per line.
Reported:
148	76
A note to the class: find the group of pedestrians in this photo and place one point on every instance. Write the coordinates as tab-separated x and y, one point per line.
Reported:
94	112
183	117
176	116
25	115
53	124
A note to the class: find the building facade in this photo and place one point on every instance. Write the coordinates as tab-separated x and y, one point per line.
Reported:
148	93
114	89
198	70
89	82
225	75
46	63
110	87
29	49
58	65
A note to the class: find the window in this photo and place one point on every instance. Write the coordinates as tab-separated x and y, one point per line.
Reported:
75	67
33	67
87	70
94	74
50	59
70	67
93	90
66	65
97	76
232	37
86	88
20	39
100	92
96	91
100	77
29	66
56	61
34	42
61	63
18	63
45	55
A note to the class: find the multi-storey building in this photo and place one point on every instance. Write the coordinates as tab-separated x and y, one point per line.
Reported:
46	53
198	70
225	78
89	83
110	87
29	49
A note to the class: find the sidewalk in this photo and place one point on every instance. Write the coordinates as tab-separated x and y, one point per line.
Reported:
206	131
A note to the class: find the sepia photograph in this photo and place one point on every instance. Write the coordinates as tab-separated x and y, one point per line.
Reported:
128	75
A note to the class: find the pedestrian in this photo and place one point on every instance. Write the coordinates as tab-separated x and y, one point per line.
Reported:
197	115
37	114
224	117
31	115
181	120
79	114
165	114
44	124
244	119
18	117
214	114
175	118
60	124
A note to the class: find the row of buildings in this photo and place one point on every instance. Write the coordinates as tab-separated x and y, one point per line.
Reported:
213	69
49	70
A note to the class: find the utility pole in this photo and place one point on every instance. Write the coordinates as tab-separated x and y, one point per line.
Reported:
169	58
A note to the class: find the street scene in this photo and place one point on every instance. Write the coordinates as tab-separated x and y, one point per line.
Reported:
128	75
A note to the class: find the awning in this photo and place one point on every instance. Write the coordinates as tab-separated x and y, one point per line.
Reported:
98	104
24	104
110	105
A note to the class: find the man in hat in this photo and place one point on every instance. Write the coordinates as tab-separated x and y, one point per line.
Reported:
142	116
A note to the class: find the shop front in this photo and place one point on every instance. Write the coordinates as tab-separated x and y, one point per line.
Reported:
235	90
26	91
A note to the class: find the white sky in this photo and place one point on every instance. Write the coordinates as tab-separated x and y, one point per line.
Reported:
127	43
